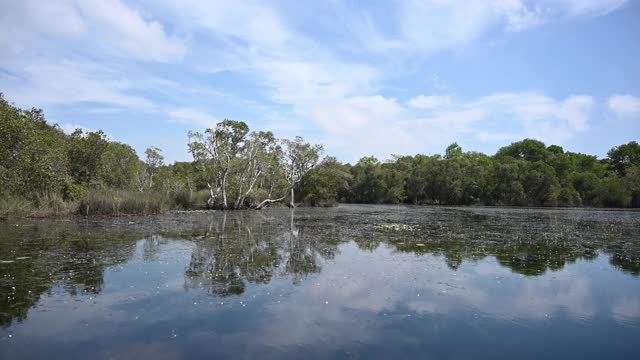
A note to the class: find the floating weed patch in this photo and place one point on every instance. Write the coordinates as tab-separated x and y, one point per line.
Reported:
397	227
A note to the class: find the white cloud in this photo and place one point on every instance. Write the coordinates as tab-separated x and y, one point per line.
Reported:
297	73
438	25
624	105
355	113
73	51
128	31
21	21
429	102
253	22
380	126
303	81
586	8
316	310
457	120
193	117
537	111
431	26
496	136
72	82
533	108
341	97
104	110
95	23
626	309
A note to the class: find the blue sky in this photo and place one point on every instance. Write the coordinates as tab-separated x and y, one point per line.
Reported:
361	77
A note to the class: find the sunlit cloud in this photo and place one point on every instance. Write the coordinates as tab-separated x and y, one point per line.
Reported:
193	63
624	105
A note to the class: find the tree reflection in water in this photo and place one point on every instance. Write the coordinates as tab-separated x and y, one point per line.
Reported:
253	247
234	249
38	256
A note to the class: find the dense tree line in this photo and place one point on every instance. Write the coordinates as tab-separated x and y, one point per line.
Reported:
236	168
232	168
38	159
525	173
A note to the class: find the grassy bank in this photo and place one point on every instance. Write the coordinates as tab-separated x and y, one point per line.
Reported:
105	203
123	203
42	206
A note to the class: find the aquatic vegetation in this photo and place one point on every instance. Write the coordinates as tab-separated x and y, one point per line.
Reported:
234	267
397	227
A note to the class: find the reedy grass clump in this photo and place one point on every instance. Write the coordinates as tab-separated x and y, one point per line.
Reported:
52	205
14	207
101	202
186	200
43	206
119	202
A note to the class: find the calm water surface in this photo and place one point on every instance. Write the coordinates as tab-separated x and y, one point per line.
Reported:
451	283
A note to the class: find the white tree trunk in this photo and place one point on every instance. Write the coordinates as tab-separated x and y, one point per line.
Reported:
212	197
268	202
291	203
224	191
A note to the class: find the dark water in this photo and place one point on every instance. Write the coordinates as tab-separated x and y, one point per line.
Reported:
451	283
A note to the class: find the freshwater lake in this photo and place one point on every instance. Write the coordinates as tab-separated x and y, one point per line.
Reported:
355	281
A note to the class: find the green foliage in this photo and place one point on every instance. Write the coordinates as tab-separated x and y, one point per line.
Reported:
624	156
118	167
187	200
454	151
85	152
555	150
632	183
525	173
585	183
323	185
72	191
368	185
216	152
527	149
44	172
508	188
611	192
568	196
541	184
32	153
154	160
299	158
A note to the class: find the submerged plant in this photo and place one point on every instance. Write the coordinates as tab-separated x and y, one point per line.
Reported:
397	227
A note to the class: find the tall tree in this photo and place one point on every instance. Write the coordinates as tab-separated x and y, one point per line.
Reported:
300	157
153	161
85	154
624	156
454	151
119	166
324	184
218	146
527	149
33	157
253	161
